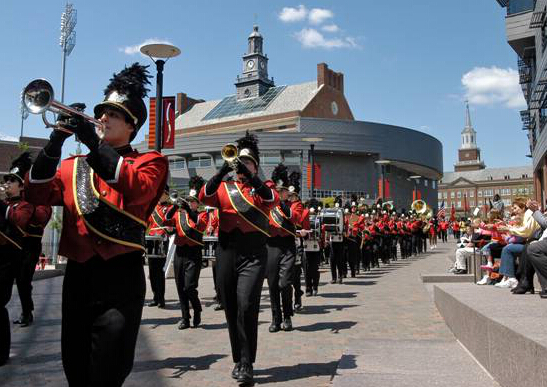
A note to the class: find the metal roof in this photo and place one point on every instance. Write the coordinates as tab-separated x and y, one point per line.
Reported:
489	174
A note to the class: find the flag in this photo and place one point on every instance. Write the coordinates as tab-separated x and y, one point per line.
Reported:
452	213
442	211
465	204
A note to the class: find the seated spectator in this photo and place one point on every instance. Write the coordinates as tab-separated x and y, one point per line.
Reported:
462	253
536	257
496	239
524	228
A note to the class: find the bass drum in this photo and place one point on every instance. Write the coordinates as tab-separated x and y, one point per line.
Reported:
333	221
209	250
156	246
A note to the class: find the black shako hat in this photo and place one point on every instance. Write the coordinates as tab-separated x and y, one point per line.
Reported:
280	177
247	147
125	93
195	184
294	182
19	167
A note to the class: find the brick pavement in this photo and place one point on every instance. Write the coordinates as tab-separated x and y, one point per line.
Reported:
387	303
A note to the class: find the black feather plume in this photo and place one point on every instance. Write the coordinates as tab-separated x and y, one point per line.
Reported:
23	162
250	142
131	81
196	182
280	173
294	180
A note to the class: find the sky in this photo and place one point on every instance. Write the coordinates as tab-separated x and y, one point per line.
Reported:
412	64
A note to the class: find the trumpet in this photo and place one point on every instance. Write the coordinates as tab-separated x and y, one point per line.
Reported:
38	98
229	153
177	200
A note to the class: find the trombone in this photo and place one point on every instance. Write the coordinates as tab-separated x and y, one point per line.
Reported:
38	98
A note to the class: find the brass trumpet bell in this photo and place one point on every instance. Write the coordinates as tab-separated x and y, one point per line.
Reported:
419	206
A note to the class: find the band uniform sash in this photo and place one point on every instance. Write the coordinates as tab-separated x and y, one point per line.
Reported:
11	234
187	230
101	217
246	210
281	221
159	221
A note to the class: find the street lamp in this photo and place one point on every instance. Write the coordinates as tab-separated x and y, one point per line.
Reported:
415	178
159	51
312	141
382	164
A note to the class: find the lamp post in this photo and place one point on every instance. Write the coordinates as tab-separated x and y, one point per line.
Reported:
382	164
312	141
159	51
415	178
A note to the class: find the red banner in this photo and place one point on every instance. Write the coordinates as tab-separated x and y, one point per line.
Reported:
317	176
168	127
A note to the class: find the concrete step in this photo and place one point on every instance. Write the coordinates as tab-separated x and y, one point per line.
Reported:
446	277
504	332
409	363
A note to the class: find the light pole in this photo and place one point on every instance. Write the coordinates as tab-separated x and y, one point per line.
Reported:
415	178
312	141
159	51
24	115
67	41
382	164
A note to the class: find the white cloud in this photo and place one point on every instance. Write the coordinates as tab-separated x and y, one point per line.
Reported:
290	14
489	86
319	15
132	50
5	137
330	28
311	38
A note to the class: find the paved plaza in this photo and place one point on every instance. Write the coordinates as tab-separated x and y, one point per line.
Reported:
386	305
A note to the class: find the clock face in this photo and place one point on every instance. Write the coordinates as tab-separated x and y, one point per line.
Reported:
334	107
262	64
250	64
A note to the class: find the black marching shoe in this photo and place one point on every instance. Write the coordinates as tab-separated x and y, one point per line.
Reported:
218	307
287	324
274	327
161	304
184	324
333	281
298	303
314	292
197	319
340	280
152	303
308	293
245	376
460	271
24	320
522	290
543	294
235	371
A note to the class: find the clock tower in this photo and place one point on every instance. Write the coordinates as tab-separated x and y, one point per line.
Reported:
469	154
253	81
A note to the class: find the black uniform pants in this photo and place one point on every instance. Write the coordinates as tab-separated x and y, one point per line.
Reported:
537	256
156	273
311	269
187	267
280	274
336	260
353	256
101	314
10	261
32	247
525	270
240	276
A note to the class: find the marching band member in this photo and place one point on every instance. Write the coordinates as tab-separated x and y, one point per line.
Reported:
352	235
243	208
212	230
190	226
336	257
107	197
15	215
312	257
282	252
297	206
157	227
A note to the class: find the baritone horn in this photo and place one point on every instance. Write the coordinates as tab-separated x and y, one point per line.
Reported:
229	154
38	98
419	206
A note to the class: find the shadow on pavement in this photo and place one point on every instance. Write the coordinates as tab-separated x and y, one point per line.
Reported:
323	309
294	372
334	327
160	321
351	281
338	295
213	326
179	365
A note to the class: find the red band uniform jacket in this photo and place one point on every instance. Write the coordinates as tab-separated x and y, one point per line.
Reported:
135	189
181	239
161	228
295	217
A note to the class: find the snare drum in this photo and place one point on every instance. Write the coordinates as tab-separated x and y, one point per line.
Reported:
333	220
156	246
209	248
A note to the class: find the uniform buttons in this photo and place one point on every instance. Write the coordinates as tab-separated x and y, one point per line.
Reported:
103	193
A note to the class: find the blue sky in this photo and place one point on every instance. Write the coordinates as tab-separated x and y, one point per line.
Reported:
405	63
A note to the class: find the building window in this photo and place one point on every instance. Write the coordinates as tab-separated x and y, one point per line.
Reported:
270	158
291	158
514	191
445	195
459	204
439	204
452	195
425	182
472	203
459	194
199	162
433	184
177	164
471	194
439	195
479	193
507	202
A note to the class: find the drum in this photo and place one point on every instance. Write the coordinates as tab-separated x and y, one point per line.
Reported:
156	246
312	242
333	220
209	248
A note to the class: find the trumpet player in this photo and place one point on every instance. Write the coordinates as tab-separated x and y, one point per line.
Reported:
243	206
107	197
15	215
189	224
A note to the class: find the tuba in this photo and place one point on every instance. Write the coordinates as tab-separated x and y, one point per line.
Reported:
388	206
419	206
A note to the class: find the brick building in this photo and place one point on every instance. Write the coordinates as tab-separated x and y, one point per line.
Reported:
9	150
288	120
473	185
